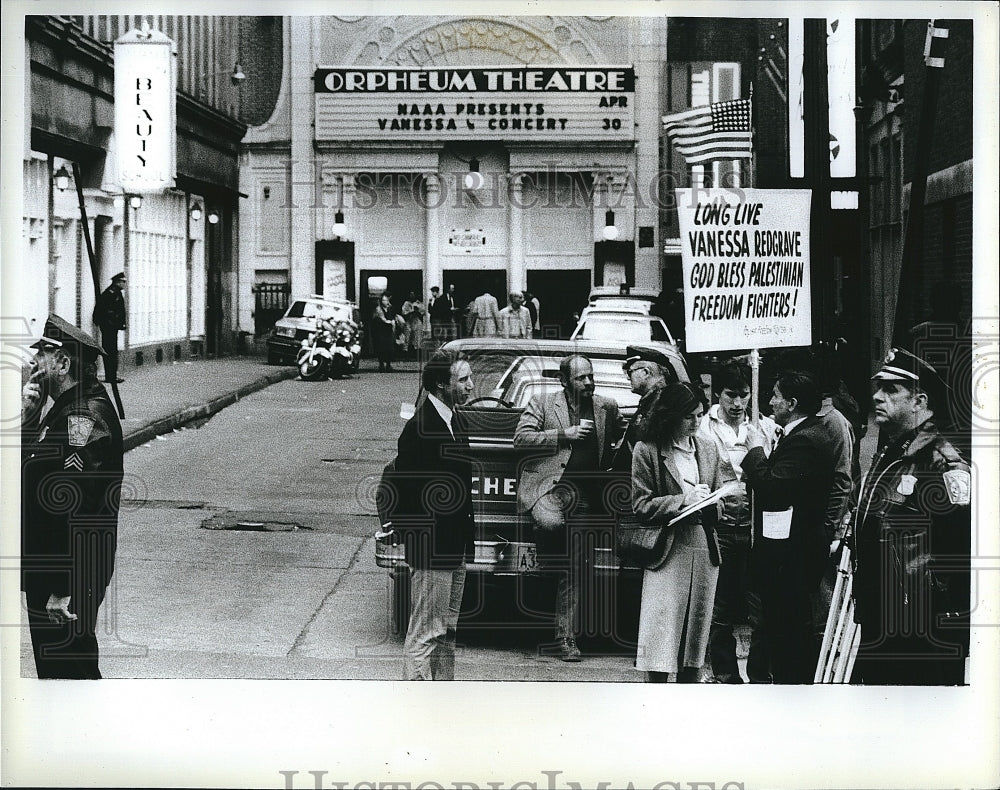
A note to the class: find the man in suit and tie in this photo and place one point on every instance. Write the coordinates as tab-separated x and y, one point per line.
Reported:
571	432
790	548
436	517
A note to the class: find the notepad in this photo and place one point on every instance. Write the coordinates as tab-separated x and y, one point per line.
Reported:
777	524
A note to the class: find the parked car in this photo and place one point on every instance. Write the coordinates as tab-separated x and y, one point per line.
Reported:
613	297
506	373
285	340
622	324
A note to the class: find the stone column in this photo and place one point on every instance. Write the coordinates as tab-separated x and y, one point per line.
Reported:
432	263
305	214
516	275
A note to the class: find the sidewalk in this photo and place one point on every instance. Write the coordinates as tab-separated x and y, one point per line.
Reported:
159	398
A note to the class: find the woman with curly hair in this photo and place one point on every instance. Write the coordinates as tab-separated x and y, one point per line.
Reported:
672	469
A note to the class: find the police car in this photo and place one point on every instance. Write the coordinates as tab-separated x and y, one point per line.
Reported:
507	374
300	319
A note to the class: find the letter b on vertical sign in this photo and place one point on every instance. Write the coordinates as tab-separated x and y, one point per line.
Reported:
145	111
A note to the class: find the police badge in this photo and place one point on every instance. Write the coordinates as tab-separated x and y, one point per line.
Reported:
906	485
959	485
79	430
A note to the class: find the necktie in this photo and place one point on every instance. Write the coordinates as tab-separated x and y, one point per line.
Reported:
778	433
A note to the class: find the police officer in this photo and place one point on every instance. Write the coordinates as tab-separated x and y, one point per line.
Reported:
71	475
912	537
648	370
109	315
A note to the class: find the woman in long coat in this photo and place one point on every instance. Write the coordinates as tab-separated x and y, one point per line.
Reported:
672	469
384	332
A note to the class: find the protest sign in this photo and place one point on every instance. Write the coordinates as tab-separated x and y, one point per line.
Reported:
745	255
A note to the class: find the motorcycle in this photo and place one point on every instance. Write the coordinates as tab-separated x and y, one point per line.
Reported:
332	350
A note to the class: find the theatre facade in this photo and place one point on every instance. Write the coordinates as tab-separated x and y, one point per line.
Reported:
493	154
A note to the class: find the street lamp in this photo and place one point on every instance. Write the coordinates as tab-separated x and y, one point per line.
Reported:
196	211
61	178
339	228
610	232
135	201
473	179
213	217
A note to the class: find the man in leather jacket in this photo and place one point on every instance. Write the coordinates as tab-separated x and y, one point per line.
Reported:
912	538
71	475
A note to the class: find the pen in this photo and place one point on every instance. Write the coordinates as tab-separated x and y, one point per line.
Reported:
688	481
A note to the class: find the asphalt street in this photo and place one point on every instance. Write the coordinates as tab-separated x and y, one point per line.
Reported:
246	550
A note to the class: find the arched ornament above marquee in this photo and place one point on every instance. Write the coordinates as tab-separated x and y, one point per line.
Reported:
478	42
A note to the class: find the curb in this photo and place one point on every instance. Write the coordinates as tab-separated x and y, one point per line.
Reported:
151	430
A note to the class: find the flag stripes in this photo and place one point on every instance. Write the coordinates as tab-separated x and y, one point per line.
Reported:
715	131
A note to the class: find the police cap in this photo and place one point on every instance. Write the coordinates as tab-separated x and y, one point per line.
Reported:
119	276
907	368
60	333
635	354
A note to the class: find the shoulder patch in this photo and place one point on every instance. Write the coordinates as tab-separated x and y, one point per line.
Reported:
74	462
959	485
80	427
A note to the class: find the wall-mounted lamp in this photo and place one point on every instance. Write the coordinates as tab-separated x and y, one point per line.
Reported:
610	232
196	211
237	76
473	179
135	201
61	178
339	228
213	217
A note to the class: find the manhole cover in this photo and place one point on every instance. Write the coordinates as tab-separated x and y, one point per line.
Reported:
246	525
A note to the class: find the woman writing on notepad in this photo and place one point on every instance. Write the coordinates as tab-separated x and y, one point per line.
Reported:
673	470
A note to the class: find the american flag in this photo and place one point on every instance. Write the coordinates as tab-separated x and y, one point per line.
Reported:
715	131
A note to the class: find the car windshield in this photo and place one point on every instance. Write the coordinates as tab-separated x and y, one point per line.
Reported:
302	308
631	329
513	377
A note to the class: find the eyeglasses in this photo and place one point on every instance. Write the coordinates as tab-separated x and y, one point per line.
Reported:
637	369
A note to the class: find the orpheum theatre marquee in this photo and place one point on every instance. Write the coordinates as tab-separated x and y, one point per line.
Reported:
592	103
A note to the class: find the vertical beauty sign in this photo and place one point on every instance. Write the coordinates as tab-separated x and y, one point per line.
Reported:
745	254
145	111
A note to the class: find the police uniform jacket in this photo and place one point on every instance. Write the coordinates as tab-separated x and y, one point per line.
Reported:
913	538
71	485
434	478
110	310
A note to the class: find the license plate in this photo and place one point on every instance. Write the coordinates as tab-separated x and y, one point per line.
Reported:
526	559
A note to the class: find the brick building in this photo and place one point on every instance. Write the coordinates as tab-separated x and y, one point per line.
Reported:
934	285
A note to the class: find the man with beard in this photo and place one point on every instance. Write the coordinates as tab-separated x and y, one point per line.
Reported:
571	432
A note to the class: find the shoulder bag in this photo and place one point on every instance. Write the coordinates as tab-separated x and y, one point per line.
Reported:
640	544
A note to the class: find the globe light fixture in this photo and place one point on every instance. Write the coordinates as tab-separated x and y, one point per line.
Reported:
135	201
196	211
473	179
61	178
610	232
339	228
213	217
